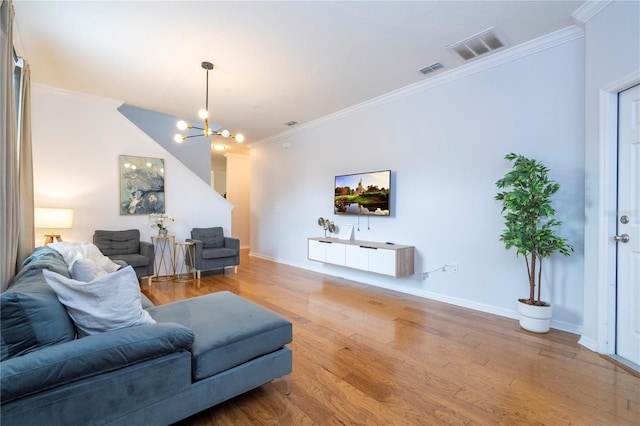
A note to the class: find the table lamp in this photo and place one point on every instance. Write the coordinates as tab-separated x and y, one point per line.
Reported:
53	219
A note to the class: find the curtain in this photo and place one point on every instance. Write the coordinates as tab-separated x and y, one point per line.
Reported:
26	236
9	161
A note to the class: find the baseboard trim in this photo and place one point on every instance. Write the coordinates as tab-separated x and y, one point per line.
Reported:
588	343
464	303
625	364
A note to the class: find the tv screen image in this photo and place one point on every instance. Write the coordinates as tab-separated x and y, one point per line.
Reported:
363	194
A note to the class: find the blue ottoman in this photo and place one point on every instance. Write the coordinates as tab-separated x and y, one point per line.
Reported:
229	330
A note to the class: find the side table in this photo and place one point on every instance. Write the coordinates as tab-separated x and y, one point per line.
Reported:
183	261
163	247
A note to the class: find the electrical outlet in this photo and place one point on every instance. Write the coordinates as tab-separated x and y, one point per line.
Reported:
425	275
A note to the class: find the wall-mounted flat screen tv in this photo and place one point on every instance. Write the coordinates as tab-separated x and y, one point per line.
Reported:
363	194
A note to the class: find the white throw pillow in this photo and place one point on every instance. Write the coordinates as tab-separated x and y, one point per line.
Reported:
73	251
109	302
86	270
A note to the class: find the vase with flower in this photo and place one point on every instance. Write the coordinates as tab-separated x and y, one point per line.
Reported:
159	220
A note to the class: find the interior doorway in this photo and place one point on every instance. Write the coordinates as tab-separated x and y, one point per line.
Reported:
627	235
219	174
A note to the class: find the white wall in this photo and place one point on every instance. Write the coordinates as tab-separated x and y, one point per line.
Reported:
612	64
445	145
239	194
77	139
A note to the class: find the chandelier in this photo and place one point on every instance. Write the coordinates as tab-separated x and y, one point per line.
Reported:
204	115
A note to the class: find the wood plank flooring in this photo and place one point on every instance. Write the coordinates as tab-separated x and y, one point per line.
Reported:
368	356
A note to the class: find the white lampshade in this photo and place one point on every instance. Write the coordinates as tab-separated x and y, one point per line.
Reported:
53	218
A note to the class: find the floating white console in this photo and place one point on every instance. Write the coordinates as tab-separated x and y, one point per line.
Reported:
388	259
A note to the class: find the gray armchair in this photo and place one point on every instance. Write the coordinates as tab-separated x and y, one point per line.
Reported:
125	246
214	250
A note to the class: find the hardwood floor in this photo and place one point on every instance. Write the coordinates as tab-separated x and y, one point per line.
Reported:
365	355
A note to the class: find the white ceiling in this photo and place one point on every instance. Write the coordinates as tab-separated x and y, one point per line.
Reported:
274	61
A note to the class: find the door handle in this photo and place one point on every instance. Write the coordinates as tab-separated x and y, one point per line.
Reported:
624	238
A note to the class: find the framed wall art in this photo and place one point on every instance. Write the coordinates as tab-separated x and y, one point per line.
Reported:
141	185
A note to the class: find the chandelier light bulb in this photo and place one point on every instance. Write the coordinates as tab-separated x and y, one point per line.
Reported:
203	114
182	125
240	138
178	138
225	133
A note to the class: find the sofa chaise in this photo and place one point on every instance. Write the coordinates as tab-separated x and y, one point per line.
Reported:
200	352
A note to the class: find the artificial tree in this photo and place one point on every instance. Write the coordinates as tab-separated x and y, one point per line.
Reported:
529	218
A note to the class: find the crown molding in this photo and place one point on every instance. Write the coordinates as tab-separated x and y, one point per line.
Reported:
588	10
67	93
547	41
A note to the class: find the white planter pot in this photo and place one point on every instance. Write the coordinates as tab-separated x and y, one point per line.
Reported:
535	318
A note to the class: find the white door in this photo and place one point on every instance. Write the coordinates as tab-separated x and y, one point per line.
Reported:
628	224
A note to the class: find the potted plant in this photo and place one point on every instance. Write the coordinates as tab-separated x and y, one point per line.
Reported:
530	229
158	221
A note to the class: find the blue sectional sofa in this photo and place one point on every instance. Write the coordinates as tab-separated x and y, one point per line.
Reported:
201	352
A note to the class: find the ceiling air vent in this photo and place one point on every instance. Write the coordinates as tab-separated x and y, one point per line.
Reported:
478	44
431	68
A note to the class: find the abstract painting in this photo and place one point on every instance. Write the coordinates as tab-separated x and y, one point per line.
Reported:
141	185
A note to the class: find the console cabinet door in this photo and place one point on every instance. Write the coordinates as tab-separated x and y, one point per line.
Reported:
357	257
382	261
326	251
316	250
335	253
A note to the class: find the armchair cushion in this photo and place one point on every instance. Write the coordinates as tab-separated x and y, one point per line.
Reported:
218	253
117	242
134	260
210	237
